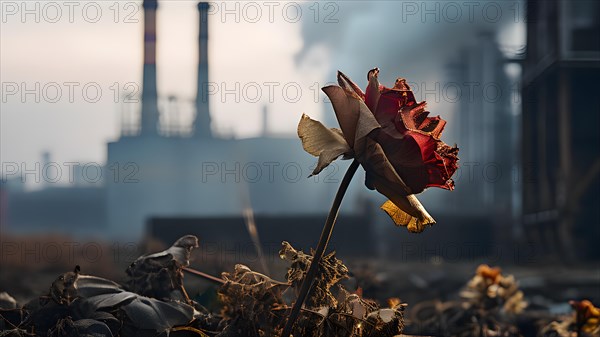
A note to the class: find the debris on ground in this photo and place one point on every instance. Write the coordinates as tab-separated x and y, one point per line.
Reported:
153	301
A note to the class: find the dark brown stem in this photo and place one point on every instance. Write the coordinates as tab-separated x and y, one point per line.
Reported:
206	276
323	241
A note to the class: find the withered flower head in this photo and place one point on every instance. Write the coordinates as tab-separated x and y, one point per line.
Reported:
489	273
587	316
392	137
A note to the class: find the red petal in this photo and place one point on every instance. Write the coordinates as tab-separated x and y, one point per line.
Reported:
388	105
409	137
405	153
416	118
417	159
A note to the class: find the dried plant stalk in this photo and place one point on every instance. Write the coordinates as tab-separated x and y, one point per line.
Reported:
323	242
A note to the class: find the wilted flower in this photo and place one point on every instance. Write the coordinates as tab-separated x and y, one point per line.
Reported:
587	317
585	322
490	290
392	137
487	272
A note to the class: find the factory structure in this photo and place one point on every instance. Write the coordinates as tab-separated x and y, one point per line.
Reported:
168	180
197	174
561	156
486	122
161	171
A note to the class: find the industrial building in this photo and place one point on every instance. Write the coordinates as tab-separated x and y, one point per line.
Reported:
560	139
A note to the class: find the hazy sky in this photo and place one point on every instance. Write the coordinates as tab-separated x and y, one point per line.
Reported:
246	54
88	49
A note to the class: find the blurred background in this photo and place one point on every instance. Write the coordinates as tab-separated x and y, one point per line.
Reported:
127	124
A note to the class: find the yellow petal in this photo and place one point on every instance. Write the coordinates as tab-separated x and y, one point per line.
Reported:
404	207
318	140
401	218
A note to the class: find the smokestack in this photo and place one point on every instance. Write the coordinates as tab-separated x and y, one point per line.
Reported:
202	121
265	121
149	120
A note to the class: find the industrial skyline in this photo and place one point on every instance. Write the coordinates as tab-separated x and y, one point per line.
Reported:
162	165
107	54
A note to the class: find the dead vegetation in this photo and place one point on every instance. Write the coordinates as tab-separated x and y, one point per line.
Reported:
154	302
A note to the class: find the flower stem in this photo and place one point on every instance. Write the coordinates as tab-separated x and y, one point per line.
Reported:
323	241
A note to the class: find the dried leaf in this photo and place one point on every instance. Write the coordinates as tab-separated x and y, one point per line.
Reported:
67	327
7	302
160	275
249	298
332	272
143	312
88	286
180	250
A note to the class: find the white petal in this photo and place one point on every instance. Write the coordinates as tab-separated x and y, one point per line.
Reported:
318	140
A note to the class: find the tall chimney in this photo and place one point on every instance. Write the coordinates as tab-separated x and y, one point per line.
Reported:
149	123
202	121
265	121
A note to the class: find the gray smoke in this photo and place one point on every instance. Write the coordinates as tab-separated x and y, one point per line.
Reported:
412	39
